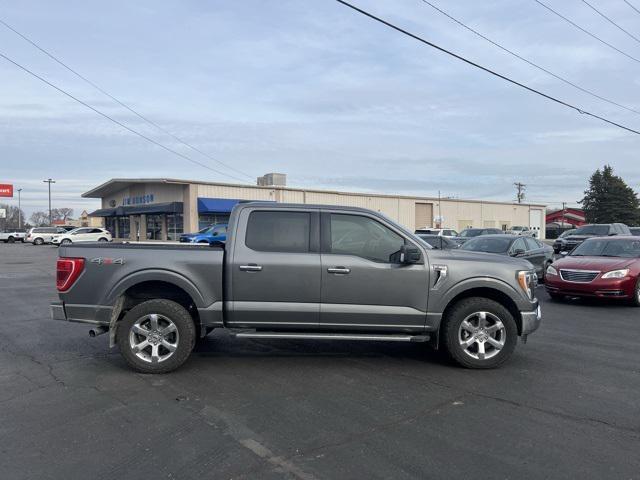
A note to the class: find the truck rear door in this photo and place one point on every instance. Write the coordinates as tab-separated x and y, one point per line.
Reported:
275	269
364	285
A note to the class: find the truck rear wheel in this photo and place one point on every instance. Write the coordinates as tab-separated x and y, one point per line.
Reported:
479	333
156	336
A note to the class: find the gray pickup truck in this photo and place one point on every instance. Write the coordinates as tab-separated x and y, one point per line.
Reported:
298	272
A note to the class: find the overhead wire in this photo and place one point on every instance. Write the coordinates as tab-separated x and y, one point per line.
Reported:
121	103
485	69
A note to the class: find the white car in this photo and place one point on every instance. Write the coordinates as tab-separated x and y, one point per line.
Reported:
12	236
42	235
441	232
521	231
83	234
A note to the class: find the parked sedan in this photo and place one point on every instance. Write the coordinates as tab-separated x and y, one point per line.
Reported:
539	254
468	233
83	234
443	232
599	267
580	234
521	231
438	242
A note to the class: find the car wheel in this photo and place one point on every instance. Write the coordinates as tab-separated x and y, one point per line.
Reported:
156	336
479	333
636	295
65	241
102	239
38	241
11	240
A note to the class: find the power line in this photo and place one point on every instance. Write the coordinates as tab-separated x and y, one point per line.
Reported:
610	21
632	6
135	132
586	31
121	103
485	69
511	52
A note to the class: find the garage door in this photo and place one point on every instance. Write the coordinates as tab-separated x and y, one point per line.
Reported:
424	215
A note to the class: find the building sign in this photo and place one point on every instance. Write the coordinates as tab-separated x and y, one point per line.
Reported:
6	190
138	200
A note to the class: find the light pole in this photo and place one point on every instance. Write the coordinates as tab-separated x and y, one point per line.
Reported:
19	211
49	181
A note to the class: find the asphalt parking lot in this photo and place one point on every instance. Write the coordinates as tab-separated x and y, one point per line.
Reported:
567	405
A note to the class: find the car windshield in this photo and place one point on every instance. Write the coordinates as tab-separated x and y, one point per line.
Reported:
205	229
592	230
471	232
515	229
568	233
627	248
488	244
73	232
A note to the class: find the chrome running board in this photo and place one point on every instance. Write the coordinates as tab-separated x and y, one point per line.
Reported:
334	336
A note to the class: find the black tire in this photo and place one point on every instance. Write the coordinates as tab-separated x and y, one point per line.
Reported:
11	240
102	239
177	314
66	241
452	324
38	241
636	297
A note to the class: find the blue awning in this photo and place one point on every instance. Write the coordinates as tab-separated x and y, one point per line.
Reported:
216	205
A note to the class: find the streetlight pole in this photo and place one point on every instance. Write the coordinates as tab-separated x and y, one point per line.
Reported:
49	181
19	211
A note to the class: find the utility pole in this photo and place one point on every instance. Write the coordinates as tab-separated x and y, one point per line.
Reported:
520	194
49	181
19	211
564	209
439	211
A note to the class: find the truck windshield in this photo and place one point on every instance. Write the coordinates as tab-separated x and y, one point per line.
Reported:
608	248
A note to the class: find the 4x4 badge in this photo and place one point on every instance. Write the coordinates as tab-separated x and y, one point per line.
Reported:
108	261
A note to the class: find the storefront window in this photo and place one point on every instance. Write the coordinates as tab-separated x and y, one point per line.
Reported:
174	225
110	224
123	227
154	227
208	219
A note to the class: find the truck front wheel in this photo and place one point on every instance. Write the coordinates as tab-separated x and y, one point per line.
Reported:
479	333
156	336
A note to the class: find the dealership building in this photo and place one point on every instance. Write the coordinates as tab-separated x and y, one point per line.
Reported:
163	208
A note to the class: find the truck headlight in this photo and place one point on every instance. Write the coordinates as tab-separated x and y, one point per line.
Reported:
527	281
551	270
616	273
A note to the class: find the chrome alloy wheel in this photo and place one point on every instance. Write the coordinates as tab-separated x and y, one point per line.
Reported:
153	338
482	335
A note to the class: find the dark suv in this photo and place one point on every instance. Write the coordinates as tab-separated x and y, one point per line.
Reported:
580	234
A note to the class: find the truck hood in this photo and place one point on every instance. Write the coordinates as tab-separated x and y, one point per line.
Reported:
601	264
481	257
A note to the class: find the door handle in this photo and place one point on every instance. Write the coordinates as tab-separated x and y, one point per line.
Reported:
339	270
252	267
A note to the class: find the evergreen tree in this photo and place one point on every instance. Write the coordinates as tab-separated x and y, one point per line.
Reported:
609	199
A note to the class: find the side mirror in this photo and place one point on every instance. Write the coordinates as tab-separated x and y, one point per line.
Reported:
518	252
410	254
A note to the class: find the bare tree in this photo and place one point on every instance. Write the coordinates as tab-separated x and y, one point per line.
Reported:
13	213
61	214
39	218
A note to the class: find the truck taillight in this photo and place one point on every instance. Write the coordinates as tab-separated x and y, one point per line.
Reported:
67	272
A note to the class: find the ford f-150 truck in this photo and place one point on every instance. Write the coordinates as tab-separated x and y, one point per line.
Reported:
298	272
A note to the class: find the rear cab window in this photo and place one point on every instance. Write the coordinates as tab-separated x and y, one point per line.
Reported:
281	231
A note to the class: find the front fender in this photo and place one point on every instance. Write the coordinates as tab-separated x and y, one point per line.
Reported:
438	303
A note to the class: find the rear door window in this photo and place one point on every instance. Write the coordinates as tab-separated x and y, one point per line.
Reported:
279	231
531	244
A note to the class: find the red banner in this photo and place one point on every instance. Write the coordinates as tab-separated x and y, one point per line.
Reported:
6	190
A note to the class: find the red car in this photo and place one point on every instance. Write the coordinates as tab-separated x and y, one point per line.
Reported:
606	267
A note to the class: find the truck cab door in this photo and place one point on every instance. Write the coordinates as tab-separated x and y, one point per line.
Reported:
364	285
275	270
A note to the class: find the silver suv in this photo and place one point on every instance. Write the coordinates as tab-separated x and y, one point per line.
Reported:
42	235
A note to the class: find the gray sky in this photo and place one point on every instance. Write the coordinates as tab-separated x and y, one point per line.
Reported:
311	89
